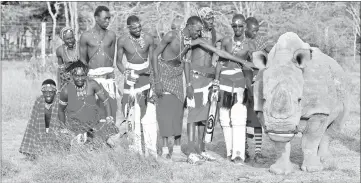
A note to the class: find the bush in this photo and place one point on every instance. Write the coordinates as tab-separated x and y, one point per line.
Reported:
104	165
37	69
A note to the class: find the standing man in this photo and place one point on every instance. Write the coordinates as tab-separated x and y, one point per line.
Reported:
138	47
252	121
167	79
97	48
233	113
202	77
67	53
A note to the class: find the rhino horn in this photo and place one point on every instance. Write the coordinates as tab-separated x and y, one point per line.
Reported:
301	57
259	59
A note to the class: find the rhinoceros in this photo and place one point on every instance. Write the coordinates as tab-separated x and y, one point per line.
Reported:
298	84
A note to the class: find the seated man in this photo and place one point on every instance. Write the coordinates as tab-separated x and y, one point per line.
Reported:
78	98
43	123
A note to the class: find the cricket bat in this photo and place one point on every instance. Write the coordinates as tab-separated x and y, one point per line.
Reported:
211	121
131	105
131	116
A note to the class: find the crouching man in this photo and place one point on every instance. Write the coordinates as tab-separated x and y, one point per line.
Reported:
78	99
43	124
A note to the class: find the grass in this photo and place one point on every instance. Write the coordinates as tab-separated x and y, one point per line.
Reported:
118	165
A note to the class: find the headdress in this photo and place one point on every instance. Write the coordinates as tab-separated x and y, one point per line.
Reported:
206	12
65	30
48	85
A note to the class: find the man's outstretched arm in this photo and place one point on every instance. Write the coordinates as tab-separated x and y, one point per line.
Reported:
223	54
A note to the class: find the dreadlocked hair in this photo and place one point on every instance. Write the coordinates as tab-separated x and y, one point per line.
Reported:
77	64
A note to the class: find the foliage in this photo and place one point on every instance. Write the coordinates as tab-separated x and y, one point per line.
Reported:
36	69
8	169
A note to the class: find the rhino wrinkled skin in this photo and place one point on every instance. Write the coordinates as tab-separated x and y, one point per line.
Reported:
298	84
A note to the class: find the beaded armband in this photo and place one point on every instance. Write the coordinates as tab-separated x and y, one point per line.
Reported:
62	102
215	82
106	100
101	91
187	42
62	66
186	60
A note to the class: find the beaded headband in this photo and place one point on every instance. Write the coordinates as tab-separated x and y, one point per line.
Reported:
206	12
134	25
238	22
77	68
65	30
48	87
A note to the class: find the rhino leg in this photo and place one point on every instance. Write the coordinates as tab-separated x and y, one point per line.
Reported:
333	129
323	149
283	164
316	127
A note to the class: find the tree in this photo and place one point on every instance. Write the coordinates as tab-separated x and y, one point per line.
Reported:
66	13
355	13
53	16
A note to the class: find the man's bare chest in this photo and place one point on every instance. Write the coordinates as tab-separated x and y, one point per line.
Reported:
96	41
240	51
132	48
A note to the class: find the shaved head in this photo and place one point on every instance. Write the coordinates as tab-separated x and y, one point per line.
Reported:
238	17
252	27
238	25
252	21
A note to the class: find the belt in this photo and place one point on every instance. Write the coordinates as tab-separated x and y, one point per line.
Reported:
174	63
207	75
144	74
105	76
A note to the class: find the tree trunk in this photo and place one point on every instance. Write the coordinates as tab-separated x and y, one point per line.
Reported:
187	11
76	25
355	45
71	10
53	16
43	40
66	14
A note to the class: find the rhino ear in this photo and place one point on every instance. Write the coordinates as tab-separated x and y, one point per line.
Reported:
301	57
259	59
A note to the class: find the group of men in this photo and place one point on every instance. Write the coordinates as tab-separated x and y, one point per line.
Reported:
159	84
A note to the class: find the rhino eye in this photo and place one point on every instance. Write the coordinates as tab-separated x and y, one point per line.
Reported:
299	100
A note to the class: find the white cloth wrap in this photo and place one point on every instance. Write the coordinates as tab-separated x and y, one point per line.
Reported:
205	91
99	75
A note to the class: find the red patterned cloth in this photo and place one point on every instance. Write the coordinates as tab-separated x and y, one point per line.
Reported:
35	137
261	42
171	78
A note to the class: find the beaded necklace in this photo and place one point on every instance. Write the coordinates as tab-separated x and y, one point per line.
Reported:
81	91
141	43
237	45
72	57
139	40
